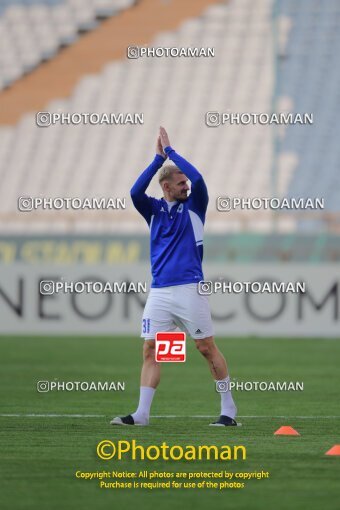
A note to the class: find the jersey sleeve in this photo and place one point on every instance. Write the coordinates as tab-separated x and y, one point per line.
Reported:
142	202
199	194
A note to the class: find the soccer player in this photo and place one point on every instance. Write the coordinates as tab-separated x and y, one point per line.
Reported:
176	229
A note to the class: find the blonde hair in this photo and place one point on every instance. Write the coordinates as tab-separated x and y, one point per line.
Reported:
167	171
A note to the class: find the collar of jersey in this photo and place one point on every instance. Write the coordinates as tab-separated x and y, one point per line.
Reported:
165	204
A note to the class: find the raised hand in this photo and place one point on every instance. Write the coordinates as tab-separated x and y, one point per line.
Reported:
159	148
164	137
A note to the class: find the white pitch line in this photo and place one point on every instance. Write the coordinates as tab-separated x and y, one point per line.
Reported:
32	415
52	415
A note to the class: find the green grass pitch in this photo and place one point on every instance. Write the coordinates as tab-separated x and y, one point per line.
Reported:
40	454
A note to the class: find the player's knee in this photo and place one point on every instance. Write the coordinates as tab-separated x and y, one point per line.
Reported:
205	347
149	350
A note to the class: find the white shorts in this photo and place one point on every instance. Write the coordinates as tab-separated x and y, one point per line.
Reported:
179	306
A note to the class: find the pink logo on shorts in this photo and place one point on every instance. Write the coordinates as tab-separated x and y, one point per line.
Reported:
170	347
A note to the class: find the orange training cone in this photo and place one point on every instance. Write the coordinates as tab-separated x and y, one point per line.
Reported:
286	431
335	450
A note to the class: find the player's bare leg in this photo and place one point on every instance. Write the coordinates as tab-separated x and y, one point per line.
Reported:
149	380
151	370
218	368
216	361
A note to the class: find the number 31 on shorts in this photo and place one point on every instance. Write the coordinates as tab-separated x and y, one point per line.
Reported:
146	326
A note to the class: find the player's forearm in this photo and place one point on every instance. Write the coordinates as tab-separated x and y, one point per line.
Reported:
145	178
187	168
198	188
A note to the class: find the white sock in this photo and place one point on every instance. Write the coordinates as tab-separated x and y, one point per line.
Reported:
145	400
228	407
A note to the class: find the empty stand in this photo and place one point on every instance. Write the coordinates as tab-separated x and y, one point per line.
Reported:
255	69
308	74
32	31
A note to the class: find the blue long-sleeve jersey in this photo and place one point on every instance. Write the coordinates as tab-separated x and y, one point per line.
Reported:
176	237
